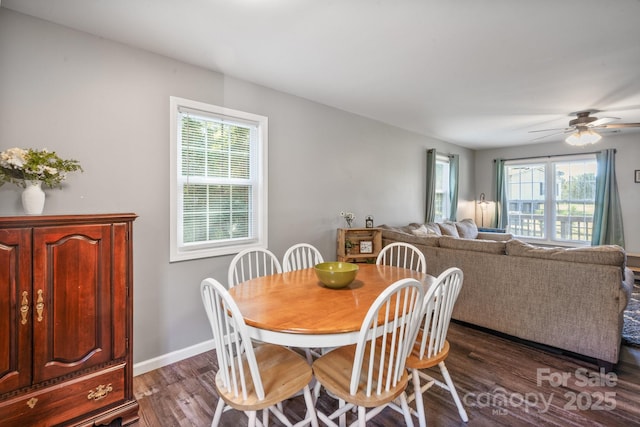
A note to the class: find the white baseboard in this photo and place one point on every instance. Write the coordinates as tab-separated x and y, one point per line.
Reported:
173	357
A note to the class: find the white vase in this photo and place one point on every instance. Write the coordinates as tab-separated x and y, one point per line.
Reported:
33	198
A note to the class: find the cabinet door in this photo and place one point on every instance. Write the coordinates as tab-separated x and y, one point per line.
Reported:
15	309
73	299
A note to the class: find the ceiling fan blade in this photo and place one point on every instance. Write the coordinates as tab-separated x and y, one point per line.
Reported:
602	121
620	125
550	135
557	129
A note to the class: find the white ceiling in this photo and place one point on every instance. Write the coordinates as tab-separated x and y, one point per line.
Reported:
478	73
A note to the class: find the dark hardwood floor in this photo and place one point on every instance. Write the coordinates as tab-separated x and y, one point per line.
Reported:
501	382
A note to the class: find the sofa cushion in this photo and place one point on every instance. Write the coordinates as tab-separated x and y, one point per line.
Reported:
467	228
603	255
425	230
490	246
448	229
394	234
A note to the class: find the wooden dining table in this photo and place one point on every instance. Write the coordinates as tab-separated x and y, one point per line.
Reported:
296	309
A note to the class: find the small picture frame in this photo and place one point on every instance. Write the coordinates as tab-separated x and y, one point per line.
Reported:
637	175
366	247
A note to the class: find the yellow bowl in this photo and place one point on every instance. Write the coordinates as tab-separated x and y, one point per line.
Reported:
336	275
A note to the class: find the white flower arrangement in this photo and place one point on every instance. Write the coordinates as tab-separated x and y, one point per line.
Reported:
349	217
18	165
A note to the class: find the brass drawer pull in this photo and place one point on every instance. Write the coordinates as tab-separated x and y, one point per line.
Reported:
100	392
40	305
24	307
31	403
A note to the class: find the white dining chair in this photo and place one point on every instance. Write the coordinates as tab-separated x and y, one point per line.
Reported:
431	347
401	254
299	256
371	374
251	263
252	379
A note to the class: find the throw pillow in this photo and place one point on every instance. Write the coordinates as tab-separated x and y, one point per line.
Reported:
433	228
405	229
421	231
467	228
389	236
448	229
424	230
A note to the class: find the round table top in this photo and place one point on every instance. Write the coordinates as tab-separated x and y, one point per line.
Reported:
297	302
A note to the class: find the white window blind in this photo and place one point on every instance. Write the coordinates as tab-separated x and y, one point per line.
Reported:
220	180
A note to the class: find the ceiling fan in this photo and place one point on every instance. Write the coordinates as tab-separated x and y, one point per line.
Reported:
582	128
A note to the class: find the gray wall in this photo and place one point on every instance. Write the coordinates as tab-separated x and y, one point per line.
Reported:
627	161
107	105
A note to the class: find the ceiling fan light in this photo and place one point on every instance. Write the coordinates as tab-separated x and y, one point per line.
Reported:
583	137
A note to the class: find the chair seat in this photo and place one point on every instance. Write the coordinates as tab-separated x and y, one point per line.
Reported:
414	361
333	371
283	373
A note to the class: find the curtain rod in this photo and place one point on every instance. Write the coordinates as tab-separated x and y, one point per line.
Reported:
449	155
555	155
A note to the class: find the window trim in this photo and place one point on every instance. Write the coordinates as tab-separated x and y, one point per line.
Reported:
549	199
180	252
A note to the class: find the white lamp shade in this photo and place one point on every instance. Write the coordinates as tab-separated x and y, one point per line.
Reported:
485	214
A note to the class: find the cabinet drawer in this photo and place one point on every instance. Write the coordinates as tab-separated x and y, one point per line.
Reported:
64	401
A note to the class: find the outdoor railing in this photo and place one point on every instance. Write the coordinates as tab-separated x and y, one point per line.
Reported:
566	227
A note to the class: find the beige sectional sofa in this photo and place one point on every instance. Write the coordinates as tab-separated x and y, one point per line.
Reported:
568	298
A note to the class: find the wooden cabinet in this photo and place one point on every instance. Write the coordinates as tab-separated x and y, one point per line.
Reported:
66	320
359	244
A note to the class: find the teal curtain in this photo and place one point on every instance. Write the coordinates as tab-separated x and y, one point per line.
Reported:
431	186
454	166
502	214
607	215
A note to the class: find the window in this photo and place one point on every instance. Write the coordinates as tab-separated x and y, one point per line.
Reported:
552	200
442	197
218	180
